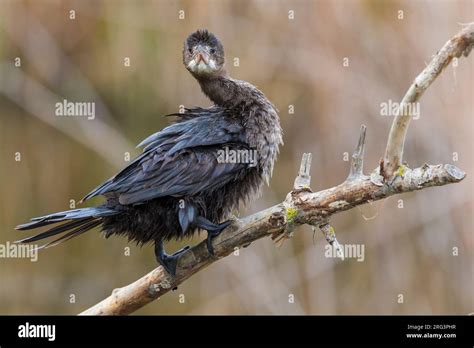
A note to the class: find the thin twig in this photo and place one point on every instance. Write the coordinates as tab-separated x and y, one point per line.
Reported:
357	161
303	180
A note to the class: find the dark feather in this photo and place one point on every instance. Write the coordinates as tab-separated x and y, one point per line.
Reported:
56	230
72	234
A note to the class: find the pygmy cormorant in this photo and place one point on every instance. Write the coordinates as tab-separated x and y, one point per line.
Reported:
181	183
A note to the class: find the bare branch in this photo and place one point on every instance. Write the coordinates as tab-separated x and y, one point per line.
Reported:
330	235
461	44
302	206
357	162
303	180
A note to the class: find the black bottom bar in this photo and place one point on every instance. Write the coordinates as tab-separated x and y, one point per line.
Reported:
220	330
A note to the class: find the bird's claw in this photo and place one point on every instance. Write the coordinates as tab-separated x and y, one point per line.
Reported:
169	262
211	233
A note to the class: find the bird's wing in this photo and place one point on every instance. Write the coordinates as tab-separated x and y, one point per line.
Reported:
182	159
187	173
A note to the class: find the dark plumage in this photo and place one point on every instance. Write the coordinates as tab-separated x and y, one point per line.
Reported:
178	185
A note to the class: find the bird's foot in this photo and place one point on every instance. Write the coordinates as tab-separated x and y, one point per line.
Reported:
169	262
213	230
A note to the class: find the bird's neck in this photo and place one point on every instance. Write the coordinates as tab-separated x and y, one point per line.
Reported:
222	90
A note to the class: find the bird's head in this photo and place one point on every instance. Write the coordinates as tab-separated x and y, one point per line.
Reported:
203	54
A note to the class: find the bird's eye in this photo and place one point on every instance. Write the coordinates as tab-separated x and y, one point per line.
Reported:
190	50
213	50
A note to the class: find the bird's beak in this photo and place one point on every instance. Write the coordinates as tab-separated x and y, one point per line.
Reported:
201	55
202	62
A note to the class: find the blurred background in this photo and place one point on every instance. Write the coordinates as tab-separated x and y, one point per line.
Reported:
333	63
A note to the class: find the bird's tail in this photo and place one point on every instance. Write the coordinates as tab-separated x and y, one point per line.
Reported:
74	222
